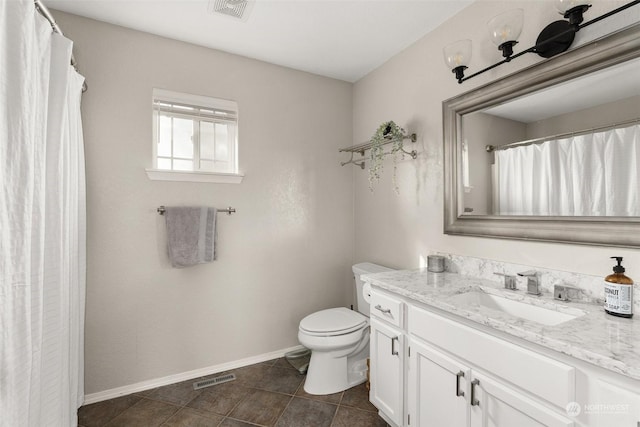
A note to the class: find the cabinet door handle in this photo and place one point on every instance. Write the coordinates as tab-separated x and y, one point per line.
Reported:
474	401
458	376
394	352
383	310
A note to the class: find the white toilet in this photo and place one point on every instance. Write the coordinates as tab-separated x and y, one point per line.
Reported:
339	341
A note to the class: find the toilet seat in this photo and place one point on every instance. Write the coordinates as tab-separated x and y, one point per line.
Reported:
333	321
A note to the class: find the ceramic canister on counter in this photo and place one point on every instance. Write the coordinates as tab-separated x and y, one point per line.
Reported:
435	263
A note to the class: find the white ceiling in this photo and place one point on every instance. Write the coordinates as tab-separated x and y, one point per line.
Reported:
343	39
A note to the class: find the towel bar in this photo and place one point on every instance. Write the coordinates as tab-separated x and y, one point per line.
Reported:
228	210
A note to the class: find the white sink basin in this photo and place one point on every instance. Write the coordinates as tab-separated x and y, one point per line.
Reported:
551	314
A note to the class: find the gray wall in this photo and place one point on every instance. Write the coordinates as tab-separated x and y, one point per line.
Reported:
286	252
409	89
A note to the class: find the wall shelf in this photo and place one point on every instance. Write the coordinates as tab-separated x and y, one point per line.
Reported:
362	148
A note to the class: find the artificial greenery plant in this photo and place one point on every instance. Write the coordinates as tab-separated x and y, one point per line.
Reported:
387	131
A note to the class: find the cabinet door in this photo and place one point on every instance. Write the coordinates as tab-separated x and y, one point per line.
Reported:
387	364
438	388
497	405
540	375
612	405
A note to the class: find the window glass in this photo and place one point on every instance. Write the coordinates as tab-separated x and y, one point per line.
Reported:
207	165
207	142
164	138
222	142
164	163
183	165
194	133
182	138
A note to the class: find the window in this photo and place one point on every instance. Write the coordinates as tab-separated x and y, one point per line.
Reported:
194	134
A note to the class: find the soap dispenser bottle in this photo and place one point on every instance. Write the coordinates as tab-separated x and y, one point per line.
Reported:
618	292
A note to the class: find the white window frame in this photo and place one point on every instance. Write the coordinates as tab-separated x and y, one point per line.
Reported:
207	103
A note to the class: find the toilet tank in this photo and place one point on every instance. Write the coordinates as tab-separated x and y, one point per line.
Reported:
358	270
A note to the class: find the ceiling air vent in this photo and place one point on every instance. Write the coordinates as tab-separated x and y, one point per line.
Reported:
235	8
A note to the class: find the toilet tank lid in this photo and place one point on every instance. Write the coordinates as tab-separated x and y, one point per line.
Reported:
368	267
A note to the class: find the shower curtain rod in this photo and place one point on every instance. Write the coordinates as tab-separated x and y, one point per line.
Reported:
492	148
44	11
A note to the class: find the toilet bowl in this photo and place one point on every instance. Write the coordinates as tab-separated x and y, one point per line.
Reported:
339	342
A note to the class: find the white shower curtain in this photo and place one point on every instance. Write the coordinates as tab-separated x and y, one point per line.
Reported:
587	175
42	223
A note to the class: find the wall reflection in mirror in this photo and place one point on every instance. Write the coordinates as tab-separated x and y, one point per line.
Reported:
569	150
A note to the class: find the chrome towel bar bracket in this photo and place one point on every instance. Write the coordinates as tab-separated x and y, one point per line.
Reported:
361	148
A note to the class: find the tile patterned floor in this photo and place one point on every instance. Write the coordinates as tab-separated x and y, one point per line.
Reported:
265	394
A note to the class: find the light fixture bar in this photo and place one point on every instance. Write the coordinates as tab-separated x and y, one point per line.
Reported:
537	48
608	14
491	67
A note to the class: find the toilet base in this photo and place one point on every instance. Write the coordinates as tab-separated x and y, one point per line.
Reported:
328	374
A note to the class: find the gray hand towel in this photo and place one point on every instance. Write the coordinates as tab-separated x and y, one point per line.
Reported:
191	235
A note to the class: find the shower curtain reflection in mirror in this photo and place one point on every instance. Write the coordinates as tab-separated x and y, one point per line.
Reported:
593	174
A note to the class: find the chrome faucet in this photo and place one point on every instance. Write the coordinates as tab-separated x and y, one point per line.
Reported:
509	281
533	281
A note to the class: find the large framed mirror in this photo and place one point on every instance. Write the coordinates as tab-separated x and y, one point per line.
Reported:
551	152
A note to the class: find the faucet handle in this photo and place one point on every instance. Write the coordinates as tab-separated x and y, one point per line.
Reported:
533	281
528	273
509	280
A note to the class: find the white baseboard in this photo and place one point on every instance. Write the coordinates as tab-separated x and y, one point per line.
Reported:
171	379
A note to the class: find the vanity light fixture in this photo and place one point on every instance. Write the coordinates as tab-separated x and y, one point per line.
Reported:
505	29
457	55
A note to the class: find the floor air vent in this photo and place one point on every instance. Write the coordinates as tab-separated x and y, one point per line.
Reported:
213	381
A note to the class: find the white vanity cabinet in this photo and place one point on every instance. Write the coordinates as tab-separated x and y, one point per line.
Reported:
387	353
461	377
433	368
444	391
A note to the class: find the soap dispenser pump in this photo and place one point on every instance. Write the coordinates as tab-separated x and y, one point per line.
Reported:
618	292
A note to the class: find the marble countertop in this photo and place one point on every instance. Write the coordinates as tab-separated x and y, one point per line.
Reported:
607	341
